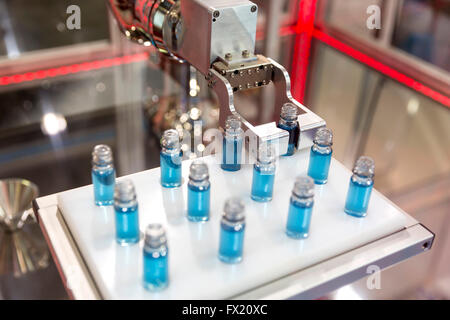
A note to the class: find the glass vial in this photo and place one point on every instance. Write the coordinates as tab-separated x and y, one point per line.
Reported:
103	175
127	215
300	208
156	266
320	156
288	121
360	188
264	174
198	192
232	144
232	227
170	159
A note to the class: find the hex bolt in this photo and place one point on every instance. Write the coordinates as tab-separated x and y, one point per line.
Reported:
245	53
173	18
228	56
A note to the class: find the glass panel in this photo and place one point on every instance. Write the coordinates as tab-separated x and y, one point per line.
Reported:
33	25
350	15
407	134
48	128
422	30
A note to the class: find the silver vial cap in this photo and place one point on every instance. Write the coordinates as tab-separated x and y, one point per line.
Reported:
303	187
102	155
365	167
323	137
234	210
289	112
170	139
124	191
155	236
266	153
233	124
198	171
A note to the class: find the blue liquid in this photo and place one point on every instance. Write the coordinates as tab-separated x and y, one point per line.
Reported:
198	203
299	220
319	165
156	269
294	133
358	197
103	181
170	169
127	224
262	185
231	244
231	154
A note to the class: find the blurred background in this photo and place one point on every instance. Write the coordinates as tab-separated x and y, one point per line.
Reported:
384	92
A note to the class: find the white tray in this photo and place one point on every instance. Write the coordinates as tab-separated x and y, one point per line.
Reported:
195	271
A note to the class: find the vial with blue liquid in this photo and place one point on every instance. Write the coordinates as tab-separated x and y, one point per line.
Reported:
320	156
288	121
198	192
360	187
264	174
103	175
232	227
300	208
170	159
127	214
232	144
156	262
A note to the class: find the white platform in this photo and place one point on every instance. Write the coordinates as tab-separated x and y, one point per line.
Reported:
195	271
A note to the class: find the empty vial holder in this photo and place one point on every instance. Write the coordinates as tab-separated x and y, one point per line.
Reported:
127	214
156	266
103	175
360	187
232	144
170	159
320	156
232	227
198	192
300	208
288	121
264	174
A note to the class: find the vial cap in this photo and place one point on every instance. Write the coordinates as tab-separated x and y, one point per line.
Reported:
170	139
304	187
289	112
155	235
232	124
234	210
323	137
364	166
124	191
102	155
266	153
198	170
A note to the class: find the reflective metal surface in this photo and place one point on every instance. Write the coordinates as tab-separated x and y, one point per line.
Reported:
16	196
23	251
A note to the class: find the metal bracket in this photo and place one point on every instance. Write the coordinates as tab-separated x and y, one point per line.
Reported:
309	122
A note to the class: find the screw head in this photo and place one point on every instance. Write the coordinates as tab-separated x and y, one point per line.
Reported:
216	14
228	56
253	9
245	53
173	18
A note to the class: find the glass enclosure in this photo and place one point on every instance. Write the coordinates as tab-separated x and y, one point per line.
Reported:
63	91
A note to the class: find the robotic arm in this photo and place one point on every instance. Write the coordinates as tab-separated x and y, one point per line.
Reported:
217	37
